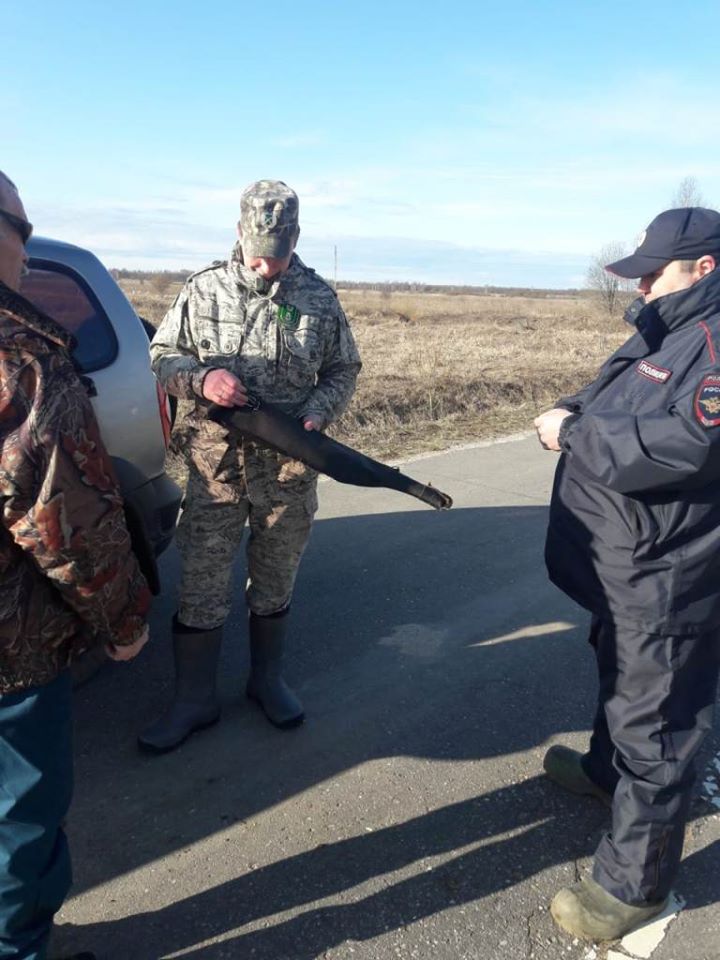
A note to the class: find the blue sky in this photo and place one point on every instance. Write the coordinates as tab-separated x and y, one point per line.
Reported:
498	143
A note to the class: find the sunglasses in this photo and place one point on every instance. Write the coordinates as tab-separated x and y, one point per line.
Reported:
23	227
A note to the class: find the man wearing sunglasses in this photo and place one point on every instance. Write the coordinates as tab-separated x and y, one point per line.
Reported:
68	581
13	227
21	226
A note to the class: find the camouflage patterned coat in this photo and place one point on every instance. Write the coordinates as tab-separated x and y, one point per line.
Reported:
68	578
290	344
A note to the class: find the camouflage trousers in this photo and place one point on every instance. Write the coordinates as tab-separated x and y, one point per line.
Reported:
228	486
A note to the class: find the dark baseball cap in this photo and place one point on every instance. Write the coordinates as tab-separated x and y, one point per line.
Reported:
683	234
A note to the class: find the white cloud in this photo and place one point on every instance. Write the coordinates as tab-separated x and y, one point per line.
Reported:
549	179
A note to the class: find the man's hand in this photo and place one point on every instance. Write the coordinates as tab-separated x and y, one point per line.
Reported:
312	422
223	387
129	652
548	427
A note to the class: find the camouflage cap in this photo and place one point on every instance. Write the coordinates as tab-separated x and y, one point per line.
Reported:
268	219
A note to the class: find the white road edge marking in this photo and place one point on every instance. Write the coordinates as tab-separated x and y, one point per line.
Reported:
711	782
642	943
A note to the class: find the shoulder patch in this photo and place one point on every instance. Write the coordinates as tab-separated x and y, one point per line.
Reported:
653	372
707	401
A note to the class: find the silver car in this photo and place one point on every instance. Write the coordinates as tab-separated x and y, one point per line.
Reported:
74	288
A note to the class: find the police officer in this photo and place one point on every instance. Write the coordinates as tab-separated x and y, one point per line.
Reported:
633	538
261	322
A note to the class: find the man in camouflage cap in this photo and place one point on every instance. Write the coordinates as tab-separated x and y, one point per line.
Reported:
260	322
269	219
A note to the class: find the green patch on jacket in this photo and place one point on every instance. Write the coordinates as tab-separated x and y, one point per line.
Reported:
288	316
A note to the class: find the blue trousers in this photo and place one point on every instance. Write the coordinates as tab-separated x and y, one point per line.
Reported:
35	792
655	708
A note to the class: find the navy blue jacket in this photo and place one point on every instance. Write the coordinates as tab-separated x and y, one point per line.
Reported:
634	532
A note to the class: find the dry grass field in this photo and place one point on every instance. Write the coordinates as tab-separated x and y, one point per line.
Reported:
441	369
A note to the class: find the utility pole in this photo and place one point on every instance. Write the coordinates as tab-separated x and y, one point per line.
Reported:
335	269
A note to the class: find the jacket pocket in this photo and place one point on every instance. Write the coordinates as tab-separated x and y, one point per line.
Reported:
206	333
302	355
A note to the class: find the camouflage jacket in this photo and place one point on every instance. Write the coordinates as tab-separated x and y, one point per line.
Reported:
290	344
68	578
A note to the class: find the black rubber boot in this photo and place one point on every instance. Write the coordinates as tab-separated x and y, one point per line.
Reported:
266	685
196	704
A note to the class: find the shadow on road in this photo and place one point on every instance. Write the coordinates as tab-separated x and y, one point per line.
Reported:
544	822
418	634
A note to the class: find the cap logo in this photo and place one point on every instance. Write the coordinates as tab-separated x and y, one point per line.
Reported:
641	239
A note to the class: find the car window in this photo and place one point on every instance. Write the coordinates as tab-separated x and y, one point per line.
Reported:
63	295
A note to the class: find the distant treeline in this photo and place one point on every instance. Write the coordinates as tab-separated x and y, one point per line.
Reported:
409	287
168	276
159	278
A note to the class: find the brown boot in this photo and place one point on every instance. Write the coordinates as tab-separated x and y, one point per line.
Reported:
587	910
564	767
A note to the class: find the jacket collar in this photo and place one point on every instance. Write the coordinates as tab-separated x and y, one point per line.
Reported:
655	320
15	307
260	287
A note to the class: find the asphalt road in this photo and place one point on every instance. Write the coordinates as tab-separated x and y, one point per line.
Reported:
409	817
